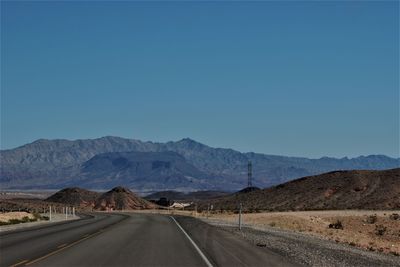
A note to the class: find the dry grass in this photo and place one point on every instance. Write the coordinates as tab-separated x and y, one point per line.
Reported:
383	235
5	217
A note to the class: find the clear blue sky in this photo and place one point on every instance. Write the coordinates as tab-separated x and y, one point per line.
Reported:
291	78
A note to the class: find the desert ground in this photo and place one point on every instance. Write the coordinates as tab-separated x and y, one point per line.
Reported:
371	230
6	216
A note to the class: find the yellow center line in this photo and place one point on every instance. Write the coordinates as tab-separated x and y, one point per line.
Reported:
61	249
19	263
63	245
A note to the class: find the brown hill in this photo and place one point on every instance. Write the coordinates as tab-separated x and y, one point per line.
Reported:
120	198
333	190
75	196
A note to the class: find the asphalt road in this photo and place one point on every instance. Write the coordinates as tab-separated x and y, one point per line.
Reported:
131	239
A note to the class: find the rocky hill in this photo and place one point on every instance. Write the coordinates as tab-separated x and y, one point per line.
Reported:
120	198
75	197
61	163
328	191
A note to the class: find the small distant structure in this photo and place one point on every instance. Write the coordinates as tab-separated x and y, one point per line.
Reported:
249	174
180	205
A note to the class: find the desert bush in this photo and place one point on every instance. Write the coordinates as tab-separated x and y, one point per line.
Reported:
394	253
14	221
337	225
25	219
36	216
272	224
380	229
371	219
394	216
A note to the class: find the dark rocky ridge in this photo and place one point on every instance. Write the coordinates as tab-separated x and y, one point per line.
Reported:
75	197
61	163
329	191
190	196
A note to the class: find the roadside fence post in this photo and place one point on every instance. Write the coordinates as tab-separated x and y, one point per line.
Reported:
240	216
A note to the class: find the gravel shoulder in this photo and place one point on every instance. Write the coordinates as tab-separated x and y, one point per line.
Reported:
308	250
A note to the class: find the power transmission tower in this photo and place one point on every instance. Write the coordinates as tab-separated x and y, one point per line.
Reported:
249	174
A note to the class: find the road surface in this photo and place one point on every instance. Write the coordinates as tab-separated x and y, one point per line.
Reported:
131	239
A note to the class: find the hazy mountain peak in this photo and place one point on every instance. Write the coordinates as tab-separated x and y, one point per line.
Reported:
190	143
188	140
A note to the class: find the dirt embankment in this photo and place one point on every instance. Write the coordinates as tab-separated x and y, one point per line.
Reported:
370	230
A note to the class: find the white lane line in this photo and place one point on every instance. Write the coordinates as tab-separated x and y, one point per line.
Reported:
194	244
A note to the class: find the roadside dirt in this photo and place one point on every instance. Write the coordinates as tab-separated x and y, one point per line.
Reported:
5	217
369	230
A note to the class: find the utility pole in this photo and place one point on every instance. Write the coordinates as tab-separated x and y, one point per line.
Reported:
249	174
66	213
240	216
50	213
73	211
208	210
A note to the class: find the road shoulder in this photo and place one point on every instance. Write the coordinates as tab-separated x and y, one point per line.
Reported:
308	250
223	248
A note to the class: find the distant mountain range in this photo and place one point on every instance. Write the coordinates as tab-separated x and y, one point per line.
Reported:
185	165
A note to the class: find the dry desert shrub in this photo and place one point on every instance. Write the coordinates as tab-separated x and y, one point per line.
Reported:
337	225
371	219
380	229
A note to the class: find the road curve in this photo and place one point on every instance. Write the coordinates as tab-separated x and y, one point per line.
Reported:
131	239
30	243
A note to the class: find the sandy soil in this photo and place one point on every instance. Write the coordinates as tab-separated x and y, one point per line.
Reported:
5	217
360	228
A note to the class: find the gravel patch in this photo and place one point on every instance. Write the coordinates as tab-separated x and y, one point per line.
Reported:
309	250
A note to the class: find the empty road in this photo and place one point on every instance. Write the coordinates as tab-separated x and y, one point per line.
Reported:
131	239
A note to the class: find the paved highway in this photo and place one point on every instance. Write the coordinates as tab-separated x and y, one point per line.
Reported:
131	239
